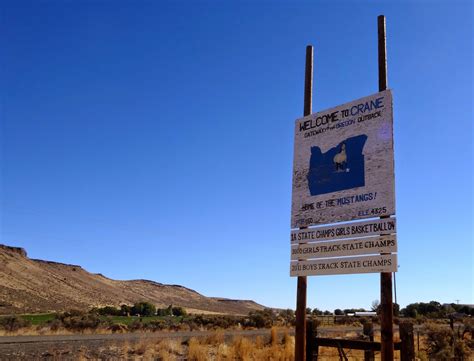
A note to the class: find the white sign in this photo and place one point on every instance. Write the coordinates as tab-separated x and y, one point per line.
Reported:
347	230
348	247
343	163
346	265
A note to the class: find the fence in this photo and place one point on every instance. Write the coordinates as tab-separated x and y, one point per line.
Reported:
406	345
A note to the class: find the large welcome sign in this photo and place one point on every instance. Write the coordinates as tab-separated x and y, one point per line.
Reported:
343	163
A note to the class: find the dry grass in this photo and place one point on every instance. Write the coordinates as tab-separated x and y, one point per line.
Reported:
273	336
244	349
141	348
277	346
36	331
259	342
197	351
46	330
216	338
168	350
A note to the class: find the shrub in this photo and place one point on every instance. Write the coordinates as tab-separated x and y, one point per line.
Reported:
125	310
118	328
444	345
157	325
212	322
135	326
143	309
287	316
261	319
55	324
109	311
163	312
13	323
179	311
78	320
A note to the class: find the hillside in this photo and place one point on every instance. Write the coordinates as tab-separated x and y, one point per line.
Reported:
30	285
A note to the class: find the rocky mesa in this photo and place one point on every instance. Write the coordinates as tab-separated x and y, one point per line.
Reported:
31	286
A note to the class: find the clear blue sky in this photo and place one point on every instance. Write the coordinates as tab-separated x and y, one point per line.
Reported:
155	139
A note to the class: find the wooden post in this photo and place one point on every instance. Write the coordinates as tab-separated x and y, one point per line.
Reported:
386	302
369	355
418	340
382	52
407	336
310	336
386	324
300	329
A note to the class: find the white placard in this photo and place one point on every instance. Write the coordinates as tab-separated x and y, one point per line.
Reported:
343	163
345	230
346	265
347	247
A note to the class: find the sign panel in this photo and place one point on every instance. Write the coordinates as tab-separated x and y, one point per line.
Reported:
347	247
343	163
346	265
347	230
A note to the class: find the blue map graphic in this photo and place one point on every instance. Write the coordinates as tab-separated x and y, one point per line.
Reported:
341	167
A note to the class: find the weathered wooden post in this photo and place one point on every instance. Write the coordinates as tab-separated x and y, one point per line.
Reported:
418	340
310	336
407	336
369	331
300	329
386	302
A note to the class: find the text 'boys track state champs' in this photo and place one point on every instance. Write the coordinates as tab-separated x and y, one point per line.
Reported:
343	163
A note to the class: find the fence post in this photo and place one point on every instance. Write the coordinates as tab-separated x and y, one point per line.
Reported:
369	331
407	337
311	347
418	340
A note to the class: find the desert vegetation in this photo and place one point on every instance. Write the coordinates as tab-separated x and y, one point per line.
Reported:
278	346
436	343
139	317
440	333
145	316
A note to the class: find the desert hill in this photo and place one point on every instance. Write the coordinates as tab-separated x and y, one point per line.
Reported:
30	285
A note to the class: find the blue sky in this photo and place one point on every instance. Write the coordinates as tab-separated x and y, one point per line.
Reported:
155	139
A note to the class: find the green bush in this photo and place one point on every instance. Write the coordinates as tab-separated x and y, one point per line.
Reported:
211	322
287	316
179	311
261	319
143	309
125	310
109	311
168	311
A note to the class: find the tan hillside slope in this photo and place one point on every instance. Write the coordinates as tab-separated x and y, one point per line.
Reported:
29	285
